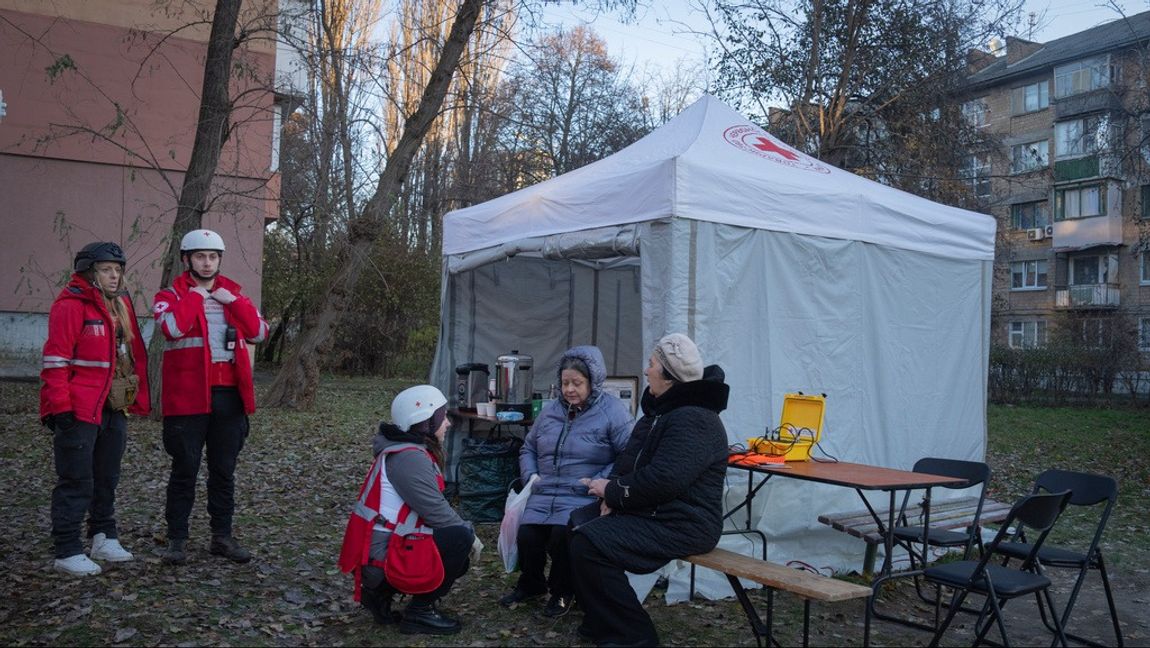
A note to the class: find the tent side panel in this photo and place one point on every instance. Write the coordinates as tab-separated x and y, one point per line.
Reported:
895	339
540	308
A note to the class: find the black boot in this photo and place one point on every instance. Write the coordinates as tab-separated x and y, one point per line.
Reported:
177	551
229	548
423	618
379	605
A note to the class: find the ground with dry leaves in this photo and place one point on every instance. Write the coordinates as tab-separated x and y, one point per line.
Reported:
299	473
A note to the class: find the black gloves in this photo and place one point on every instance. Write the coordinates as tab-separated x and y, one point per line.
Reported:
62	421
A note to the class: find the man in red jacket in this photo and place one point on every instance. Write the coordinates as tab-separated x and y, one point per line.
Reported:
207	389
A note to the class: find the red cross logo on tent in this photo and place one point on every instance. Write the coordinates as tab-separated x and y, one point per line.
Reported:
770	147
752	139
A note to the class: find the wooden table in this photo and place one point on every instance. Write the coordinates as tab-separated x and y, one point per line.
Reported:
860	477
472	416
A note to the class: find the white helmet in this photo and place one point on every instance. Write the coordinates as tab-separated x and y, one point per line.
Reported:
415	405
201	239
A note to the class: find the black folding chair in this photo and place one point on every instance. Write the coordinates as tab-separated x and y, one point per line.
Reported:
910	537
999	584
1089	491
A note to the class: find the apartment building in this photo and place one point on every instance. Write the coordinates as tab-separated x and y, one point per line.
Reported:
1063	166
101	106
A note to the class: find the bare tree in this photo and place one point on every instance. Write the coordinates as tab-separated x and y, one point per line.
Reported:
211	133
322	157
667	92
863	84
569	104
361	91
296	383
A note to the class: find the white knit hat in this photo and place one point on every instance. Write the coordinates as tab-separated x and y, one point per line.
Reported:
680	357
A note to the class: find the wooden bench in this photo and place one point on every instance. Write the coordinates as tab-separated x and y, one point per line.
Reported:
774	576
948	514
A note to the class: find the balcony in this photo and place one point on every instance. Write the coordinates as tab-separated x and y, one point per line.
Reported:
1076	169
1102	99
1087	296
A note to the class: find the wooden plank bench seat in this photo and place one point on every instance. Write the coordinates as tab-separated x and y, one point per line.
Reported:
949	514
774	576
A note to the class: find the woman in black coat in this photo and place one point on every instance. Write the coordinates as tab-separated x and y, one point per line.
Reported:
664	500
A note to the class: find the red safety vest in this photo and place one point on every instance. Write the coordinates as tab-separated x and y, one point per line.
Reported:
356	549
179	314
80	355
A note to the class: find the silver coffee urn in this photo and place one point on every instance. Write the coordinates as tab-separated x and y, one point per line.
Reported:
514	383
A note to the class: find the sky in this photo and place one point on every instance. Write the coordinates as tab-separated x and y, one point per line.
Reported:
660	36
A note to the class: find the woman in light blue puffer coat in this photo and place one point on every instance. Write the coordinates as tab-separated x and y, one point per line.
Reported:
576	436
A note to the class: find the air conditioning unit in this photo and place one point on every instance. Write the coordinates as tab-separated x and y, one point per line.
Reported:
1049	230
1036	234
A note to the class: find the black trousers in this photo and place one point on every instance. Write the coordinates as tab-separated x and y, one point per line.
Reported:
454	544
536	542
87	458
223	433
612	612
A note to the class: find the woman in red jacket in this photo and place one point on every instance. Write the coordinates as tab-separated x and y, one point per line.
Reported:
95	370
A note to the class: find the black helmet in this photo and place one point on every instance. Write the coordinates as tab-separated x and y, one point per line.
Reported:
96	252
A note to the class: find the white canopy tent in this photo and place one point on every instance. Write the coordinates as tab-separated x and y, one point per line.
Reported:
789	273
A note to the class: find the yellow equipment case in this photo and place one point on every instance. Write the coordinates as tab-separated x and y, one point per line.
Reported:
800	428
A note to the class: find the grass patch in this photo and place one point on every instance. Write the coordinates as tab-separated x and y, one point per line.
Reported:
1026	440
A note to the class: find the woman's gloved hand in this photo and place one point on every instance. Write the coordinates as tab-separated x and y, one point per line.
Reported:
476	549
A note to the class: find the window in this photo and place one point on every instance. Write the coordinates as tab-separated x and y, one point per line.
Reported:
1077	137
1144	334
1144	275
1081	202
1091	270
1145	211
1029	334
976	172
976	112
1035	96
1028	275
1082	76
1090	332
1031	214
1030	156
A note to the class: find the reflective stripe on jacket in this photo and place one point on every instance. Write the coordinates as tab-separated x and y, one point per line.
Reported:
180	317
80	354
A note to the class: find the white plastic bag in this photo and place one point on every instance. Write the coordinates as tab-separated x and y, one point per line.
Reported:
509	527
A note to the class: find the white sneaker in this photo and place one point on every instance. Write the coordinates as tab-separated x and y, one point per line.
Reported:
77	565
110	549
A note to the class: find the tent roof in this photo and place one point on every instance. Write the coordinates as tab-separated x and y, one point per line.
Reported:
710	163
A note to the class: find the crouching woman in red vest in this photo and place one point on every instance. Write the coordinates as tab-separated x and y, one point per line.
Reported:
401	503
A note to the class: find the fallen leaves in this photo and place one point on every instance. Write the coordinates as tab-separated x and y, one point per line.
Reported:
295	484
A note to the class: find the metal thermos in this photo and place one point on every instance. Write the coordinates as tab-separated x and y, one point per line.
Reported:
470	385
514	378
